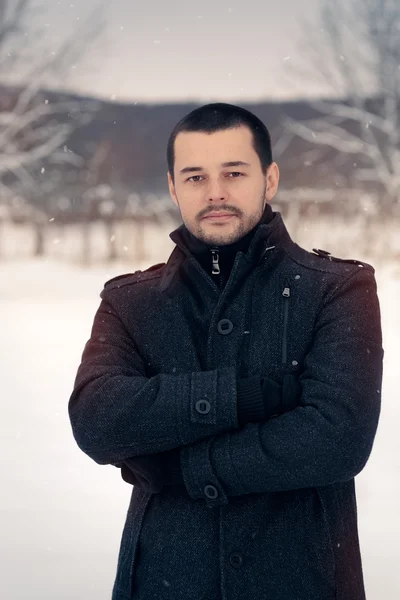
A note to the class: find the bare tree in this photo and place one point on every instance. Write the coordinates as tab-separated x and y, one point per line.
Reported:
354	54
34	129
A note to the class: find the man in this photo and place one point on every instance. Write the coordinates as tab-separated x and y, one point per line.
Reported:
237	387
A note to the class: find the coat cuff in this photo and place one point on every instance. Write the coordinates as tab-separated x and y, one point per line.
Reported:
198	474
213	401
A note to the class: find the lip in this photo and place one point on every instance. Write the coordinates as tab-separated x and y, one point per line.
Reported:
220	216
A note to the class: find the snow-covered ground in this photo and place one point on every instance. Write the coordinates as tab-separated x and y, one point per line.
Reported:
61	514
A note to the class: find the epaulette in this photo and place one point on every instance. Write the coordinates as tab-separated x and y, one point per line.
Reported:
328	256
130	278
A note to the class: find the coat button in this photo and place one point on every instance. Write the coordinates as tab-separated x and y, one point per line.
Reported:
203	407
211	491
236	560
224	326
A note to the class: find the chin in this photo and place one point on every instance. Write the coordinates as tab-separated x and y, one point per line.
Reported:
221	239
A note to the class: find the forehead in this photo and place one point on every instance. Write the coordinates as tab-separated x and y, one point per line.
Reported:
219	146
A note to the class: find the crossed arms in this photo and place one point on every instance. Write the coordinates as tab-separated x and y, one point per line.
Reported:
116	412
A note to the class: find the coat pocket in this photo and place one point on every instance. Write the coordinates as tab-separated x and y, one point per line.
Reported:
129	543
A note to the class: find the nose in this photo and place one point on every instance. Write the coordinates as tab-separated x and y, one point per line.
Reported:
215	191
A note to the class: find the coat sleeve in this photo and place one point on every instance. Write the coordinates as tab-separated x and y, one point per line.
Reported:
116	412
329	436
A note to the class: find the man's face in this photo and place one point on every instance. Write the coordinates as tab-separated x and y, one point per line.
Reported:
206	183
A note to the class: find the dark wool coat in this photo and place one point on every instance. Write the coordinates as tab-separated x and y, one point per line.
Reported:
267	511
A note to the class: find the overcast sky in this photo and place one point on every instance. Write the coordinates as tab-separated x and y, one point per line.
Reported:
182	50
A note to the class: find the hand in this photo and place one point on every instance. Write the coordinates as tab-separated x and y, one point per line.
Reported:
142	472
259	399
279	399
152	472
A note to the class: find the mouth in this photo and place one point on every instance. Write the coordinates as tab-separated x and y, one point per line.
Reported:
219	216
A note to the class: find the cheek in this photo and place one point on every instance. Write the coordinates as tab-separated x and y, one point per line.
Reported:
244	190
191	201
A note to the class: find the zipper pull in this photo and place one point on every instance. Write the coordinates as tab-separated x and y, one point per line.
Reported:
286	292
215	262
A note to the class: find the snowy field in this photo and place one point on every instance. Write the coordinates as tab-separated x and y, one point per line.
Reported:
61	514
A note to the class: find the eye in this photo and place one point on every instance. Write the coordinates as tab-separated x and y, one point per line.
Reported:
192	178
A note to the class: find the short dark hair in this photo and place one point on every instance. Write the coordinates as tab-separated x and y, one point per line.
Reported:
219	116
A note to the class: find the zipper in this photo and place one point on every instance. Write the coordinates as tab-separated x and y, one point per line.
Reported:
286	296
216	269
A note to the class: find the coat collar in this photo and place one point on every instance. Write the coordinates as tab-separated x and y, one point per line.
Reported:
273	233
193	246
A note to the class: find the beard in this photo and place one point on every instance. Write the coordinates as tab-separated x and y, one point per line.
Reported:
226	233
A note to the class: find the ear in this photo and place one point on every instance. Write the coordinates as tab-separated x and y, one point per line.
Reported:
171	188
272	180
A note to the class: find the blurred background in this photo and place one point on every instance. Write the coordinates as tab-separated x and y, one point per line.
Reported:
89	93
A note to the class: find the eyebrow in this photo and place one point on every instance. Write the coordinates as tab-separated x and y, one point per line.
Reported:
232	163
